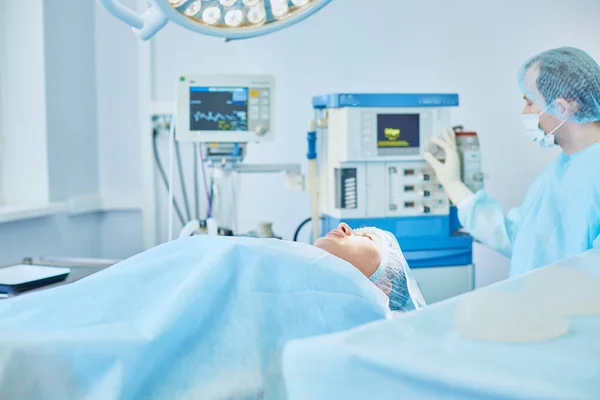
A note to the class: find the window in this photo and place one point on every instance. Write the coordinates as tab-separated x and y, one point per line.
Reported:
23	152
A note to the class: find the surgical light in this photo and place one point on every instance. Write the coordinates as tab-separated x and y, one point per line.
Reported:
193	8
234	17
231	19
256	15
176	3
211	15
279	8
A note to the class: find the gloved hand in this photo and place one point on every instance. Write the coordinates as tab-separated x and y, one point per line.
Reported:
448	172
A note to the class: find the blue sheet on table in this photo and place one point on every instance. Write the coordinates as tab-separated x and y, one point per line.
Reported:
201	317
421	356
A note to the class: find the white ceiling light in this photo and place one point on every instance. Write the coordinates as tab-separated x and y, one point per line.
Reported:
248	19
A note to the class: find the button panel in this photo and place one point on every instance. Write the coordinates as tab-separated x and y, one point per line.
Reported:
412	189
259	110
367	130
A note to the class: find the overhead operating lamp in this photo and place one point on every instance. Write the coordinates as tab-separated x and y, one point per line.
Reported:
230	19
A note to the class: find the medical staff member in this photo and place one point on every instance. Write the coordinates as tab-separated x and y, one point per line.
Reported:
560	216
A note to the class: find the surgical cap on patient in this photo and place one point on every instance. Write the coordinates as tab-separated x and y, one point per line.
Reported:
563	73
393	273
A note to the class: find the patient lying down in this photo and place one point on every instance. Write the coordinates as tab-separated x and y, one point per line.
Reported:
203	317
375	253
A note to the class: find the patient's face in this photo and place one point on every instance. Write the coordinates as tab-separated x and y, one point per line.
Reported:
361	249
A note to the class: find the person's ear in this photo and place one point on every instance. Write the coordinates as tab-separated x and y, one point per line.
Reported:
565	109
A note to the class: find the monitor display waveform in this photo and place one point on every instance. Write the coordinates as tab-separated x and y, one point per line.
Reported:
231	122
218	110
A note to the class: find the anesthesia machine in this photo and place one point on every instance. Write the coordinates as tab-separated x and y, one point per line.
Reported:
219	115
366	168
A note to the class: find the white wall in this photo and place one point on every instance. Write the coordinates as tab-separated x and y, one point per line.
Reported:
120	176
49	118
70	67
116	85
469	47
55	236
23	150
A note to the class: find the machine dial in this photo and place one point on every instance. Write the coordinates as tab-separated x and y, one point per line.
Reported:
260	130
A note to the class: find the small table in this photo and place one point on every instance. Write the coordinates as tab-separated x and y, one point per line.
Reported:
80	268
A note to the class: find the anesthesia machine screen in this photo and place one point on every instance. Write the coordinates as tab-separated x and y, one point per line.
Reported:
398	130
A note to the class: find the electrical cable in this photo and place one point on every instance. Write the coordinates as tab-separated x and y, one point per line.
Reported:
196	185
234	193
171	174
208	194
212	191
182	180
164	175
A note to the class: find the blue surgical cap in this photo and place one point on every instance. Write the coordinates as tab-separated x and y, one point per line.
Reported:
564	73
392	273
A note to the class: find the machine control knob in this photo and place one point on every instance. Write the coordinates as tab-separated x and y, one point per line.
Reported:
425	193
260	130
426	177
425	209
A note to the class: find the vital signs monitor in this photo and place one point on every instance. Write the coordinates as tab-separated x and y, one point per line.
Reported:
225	108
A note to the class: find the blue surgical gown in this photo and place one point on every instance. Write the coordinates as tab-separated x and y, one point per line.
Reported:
560	216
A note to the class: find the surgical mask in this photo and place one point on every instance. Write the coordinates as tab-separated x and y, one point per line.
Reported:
531	123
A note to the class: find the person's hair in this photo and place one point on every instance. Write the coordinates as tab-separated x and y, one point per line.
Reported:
570	74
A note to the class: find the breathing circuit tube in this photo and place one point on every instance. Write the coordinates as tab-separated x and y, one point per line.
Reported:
306	221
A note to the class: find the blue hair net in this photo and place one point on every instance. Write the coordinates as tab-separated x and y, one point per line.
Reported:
393	274
563	73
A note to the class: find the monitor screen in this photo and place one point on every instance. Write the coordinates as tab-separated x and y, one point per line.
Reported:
218	109
398	130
